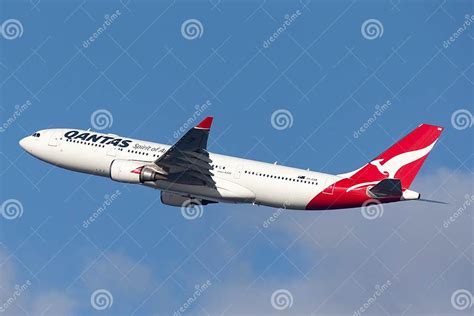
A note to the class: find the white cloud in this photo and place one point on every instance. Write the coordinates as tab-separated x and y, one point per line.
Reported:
53	303
27	301
114	270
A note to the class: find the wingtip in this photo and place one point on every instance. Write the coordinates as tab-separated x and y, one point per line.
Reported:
206	123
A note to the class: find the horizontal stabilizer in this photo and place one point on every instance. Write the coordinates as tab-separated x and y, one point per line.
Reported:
387	188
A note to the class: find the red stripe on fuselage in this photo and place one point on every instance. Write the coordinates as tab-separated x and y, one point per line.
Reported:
340	198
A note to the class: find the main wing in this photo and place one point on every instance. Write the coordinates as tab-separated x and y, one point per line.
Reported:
187	161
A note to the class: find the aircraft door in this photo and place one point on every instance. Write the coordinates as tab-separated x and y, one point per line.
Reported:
238	172
330	184
54	138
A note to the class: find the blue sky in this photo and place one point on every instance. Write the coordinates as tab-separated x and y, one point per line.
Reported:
329	75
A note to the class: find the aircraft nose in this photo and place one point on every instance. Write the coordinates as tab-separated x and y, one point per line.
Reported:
25	143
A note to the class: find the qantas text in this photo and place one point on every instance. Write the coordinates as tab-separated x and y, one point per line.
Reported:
95	138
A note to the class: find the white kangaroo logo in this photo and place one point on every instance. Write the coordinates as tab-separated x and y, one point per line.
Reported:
391	166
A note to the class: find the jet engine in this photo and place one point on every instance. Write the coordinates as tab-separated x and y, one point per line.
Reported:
132	171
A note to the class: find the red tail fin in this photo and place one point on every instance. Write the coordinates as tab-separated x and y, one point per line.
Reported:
402	160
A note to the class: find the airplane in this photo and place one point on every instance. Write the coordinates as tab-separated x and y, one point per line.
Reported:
188	175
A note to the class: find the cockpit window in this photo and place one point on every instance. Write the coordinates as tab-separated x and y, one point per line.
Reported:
36	135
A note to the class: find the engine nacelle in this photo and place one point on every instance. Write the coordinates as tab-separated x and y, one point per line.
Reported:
131	171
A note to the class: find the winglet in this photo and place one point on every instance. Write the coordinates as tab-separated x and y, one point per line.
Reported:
206	123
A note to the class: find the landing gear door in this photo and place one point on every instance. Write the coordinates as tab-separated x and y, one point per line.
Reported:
54	139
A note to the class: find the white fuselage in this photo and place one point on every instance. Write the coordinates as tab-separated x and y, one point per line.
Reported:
237	180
